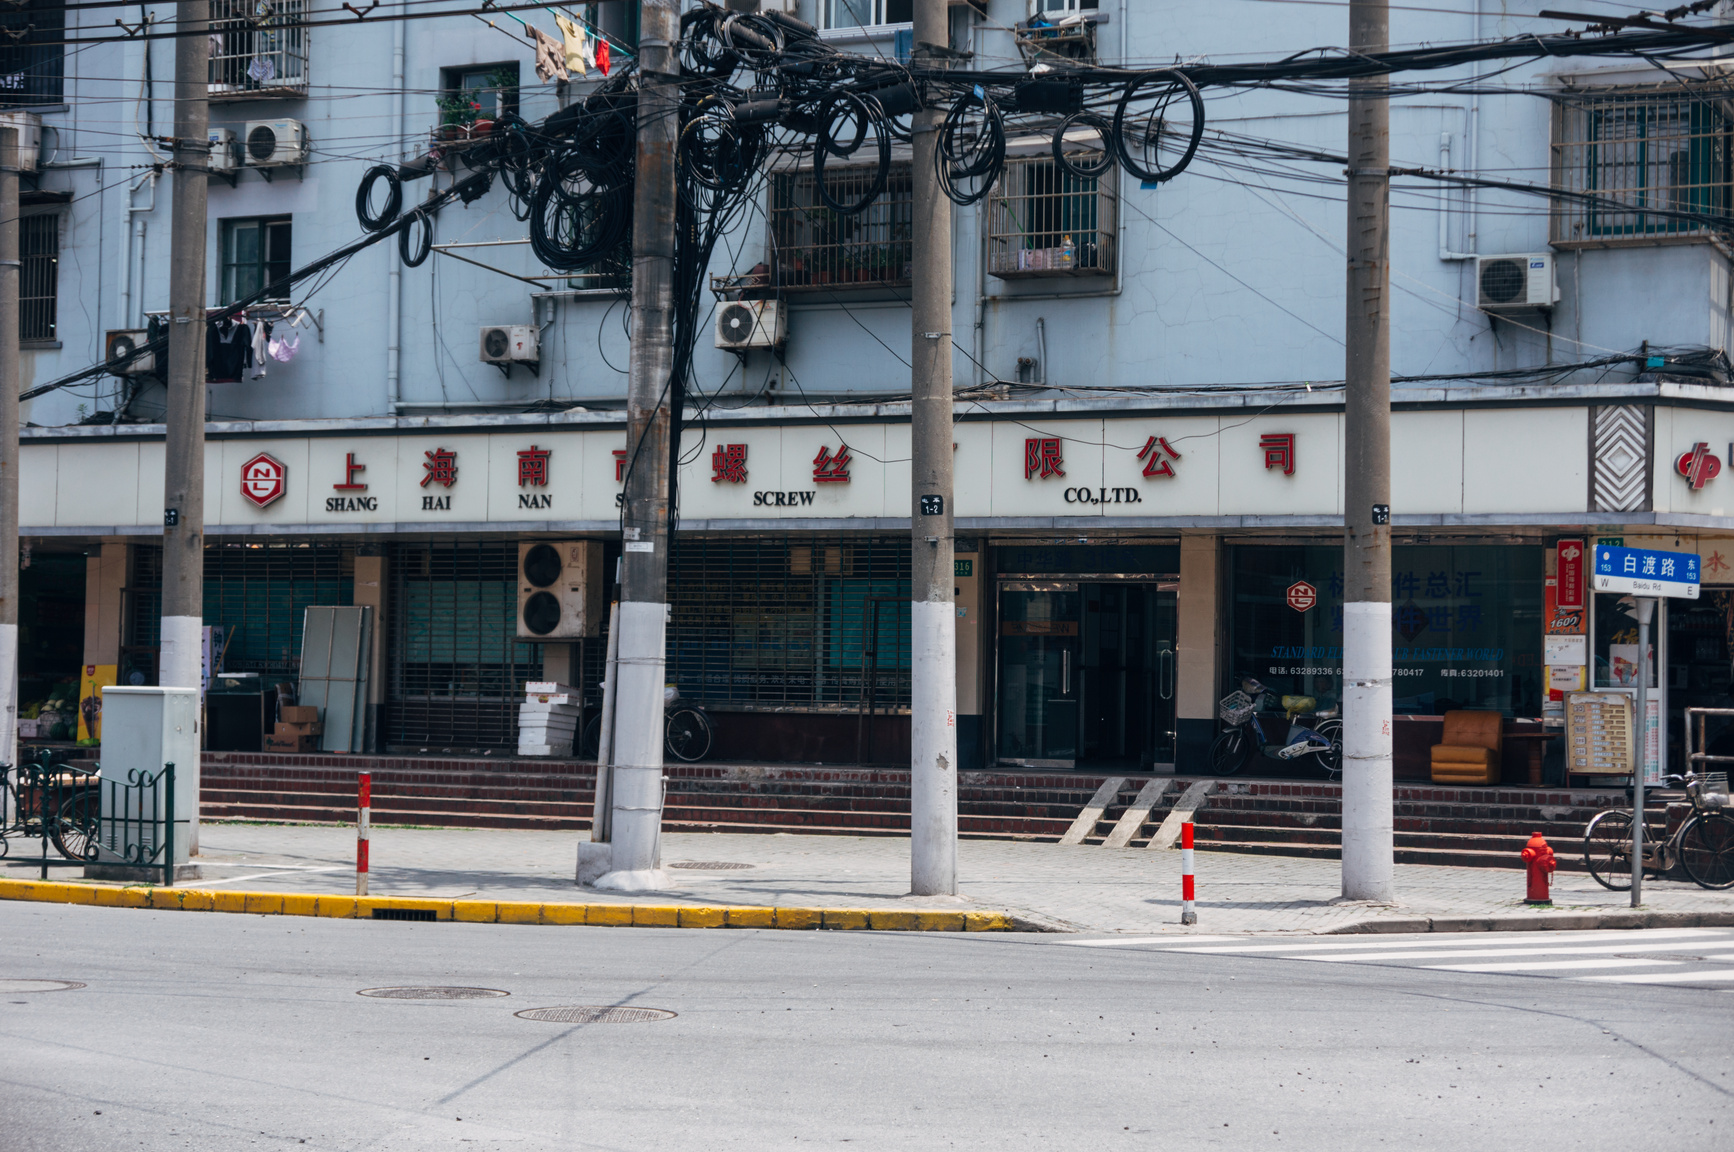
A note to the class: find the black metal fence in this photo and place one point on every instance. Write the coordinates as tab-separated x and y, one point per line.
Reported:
90	820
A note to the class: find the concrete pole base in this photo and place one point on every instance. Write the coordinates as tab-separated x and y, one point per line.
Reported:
643	880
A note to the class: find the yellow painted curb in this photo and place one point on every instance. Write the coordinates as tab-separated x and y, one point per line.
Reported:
505	911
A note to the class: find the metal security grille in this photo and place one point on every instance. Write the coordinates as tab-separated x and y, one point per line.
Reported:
32	58
1043	221
252	52
141	605
816	249
259	594
457	669
39	275
1646	150
787	622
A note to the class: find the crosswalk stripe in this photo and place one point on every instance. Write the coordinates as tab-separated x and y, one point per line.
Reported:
1135	940
1548	965
1718	974
1455	953
1493	939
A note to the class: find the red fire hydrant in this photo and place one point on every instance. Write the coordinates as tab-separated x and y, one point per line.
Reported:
1541	862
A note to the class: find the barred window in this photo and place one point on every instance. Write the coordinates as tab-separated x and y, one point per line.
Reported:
817	249
866	13
32	59
1043	221
1651	152
258	49
790	623
39	275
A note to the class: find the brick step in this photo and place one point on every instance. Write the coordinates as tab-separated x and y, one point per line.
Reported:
1454	857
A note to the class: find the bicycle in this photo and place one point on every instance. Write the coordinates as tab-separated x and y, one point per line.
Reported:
50	798
1703	844
1320	738
687	731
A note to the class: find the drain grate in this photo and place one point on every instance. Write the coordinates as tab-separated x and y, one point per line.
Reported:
435	992
595	1014
17	984
405	914
708	865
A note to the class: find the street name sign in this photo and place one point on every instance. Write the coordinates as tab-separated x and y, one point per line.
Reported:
1646	572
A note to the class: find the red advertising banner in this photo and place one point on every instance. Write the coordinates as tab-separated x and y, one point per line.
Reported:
1572	556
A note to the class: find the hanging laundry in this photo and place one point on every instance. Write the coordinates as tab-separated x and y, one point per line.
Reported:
282	350
263	69
573	35
602	55
550	55
216	44
260	348
227	347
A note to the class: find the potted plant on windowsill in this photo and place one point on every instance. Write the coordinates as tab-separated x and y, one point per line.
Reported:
457	114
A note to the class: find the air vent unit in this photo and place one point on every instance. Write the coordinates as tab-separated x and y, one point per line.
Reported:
120	351
1519	283
559	589
223	159
274	143
744	324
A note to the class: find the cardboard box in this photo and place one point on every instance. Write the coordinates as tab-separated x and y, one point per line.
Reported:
298	714
288	729
276	743
549	688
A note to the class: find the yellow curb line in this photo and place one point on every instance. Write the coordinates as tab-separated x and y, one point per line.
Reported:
505	911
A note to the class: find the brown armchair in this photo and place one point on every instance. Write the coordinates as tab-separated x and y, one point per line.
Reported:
1469	750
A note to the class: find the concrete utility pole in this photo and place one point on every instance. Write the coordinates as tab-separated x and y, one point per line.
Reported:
1367	842
933	617
638	709
1646	606
179	665
9	389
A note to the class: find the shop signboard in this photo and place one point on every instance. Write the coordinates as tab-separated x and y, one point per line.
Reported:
1570	570
1646	572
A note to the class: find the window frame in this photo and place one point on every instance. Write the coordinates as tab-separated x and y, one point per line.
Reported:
881	12
35	225
1085	210
228	265
847	261
507	100
39	53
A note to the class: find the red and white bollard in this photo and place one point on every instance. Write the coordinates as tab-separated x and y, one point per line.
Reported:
1187	914
363	806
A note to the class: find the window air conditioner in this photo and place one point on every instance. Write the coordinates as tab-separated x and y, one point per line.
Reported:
223	150
559	589
274	143
120	347
510	344
29	126
744	324
1517	283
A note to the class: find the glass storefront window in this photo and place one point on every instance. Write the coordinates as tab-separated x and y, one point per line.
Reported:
1465	624
1616	647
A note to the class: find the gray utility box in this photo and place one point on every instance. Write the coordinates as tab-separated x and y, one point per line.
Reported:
143	729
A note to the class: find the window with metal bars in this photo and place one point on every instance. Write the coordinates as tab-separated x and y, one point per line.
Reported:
32	57
258	48
790	622
259	594
457	668
39	275
1644	150
816	249
1043	221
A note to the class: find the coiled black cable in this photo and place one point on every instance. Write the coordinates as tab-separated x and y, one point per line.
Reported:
1137	143
370	220
846	107
957	159
418	221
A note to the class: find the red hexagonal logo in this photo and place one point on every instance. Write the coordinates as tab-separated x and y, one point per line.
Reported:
264	479
1302	596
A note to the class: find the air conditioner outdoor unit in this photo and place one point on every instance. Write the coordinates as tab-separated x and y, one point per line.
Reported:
119	346
559	589
223	150
1517	283
29	126
274	143
744	324
511	344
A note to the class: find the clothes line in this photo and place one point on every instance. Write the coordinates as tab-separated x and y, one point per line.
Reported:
581	45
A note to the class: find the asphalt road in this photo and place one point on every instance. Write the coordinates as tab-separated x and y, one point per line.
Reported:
224	1032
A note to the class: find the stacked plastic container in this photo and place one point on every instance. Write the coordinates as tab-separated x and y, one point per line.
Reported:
547	719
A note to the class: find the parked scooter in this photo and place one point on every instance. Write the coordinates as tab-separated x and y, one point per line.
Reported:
1313	734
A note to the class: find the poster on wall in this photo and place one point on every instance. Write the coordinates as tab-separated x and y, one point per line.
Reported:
1651	745
96	677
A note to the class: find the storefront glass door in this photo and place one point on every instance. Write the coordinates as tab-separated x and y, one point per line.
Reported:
1039	673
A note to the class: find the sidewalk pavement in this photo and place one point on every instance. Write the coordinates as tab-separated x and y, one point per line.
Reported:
1086	889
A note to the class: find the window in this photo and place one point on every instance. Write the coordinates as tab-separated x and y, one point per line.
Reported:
1645	150
1060	7
817	249
866	13
32	60
1043	221
258	48
39	275
484	92
255	253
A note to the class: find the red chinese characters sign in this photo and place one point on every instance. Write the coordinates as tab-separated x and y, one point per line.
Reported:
440	467
264	479
1570	570
729	462
1042	455
533	467
829	468
1158	456
1278	448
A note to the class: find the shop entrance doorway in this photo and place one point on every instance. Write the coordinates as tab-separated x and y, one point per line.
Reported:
1086	673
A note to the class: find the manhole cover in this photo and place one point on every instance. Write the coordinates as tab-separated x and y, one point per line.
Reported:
1656	956
708	865
20	985
595	1014
433	993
